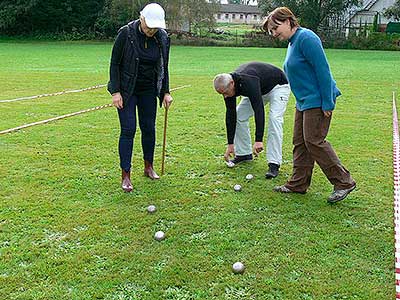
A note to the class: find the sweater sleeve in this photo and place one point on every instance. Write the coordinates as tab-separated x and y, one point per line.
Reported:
230	118
313	51
116	58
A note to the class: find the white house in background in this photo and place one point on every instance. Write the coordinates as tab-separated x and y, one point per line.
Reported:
238	14
366	14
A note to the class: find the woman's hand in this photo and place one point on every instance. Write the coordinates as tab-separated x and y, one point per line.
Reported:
167	101
117	100
327	113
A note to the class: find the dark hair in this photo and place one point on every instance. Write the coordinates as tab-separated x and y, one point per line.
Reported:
278	16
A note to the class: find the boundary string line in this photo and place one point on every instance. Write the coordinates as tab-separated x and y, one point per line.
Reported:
55	94
396	202
71	114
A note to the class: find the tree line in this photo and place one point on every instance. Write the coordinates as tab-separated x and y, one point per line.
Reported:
97	18
102	18
393	11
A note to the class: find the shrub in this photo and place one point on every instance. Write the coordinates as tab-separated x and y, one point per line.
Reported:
374	41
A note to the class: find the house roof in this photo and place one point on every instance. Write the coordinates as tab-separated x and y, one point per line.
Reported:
366	8
369	4
239	8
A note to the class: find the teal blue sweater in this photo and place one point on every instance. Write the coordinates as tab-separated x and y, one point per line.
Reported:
308	72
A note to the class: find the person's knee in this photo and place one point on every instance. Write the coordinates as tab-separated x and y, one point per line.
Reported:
128	132
275	118
297	142
148	126
241	121
313	144
242	114
242	117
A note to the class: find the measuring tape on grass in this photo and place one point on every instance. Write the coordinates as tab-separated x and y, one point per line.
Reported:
54	94
396	202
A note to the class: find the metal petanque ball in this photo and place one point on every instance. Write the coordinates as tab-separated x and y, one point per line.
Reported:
237	187
238	267
159	236
151	209
230	164
249	176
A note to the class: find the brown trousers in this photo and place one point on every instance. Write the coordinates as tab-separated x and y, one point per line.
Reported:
310	130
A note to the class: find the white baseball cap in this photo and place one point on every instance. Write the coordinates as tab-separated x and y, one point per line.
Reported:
154	16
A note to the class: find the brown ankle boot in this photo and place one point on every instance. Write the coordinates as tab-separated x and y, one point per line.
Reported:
149	171
126	183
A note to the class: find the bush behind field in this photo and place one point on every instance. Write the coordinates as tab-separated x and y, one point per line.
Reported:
374	41
233	37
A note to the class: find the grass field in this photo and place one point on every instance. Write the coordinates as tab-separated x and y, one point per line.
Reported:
68	232
235	28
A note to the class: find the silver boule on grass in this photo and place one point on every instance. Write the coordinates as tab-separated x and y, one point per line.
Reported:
159	235
249	176
237	187
230	164
151	209
238	267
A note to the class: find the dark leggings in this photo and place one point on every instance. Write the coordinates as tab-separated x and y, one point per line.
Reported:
147	109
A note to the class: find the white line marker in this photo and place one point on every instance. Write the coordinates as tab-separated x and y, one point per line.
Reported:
54	94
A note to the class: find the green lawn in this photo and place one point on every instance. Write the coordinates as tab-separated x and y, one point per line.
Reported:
68	232
236	28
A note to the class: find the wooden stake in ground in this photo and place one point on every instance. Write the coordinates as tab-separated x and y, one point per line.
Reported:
164	140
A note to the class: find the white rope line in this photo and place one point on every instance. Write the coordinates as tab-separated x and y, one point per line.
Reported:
55	94
71	114
55	118
396	200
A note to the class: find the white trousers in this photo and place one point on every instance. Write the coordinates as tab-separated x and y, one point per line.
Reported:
278	98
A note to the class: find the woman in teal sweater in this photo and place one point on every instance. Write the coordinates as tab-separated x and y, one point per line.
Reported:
315	91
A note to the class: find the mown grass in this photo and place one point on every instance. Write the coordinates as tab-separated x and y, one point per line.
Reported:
236	28
68	232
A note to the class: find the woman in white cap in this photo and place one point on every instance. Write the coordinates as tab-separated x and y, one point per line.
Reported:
138	75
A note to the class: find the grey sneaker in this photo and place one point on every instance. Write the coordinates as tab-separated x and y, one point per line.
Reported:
339	195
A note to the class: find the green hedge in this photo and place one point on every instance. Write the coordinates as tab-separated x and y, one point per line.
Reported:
374	41
231	40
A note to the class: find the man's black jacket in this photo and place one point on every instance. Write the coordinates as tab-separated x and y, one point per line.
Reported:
252	80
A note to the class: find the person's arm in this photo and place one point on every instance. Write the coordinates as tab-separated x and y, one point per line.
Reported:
252	89
116	58
313	51
230	118
230	121
165	93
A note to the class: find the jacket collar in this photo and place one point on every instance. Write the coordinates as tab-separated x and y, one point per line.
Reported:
134	25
